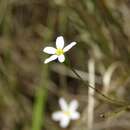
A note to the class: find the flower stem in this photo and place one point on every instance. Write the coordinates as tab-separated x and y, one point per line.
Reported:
108	99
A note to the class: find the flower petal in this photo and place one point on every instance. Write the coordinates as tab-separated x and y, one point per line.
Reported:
69	46
63	104
61	58
51	58
57	116
49	50
73	105
64	122
60	42
75	115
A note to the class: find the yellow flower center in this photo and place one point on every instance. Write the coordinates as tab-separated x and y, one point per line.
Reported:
59	52
67	113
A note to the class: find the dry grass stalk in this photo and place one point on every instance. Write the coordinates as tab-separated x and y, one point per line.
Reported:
91	102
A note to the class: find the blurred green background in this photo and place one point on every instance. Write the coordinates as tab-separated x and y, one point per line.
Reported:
29	89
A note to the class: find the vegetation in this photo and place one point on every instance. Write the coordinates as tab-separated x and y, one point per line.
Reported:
30	90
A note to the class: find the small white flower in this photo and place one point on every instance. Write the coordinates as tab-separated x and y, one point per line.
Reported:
68	112
58	52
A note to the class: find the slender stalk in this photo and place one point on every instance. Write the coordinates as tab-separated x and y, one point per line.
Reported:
39	107
108	99
40	100
91	101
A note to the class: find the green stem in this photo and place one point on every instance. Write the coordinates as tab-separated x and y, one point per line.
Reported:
108	99
39	105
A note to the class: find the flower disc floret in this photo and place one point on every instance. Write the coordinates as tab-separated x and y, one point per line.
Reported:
67	113
59	52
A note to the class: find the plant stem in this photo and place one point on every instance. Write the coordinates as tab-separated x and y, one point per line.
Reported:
108	99
40	100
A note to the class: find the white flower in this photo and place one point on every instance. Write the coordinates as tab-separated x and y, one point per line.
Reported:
68	112
58	52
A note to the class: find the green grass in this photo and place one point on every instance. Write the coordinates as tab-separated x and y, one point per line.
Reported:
39	105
